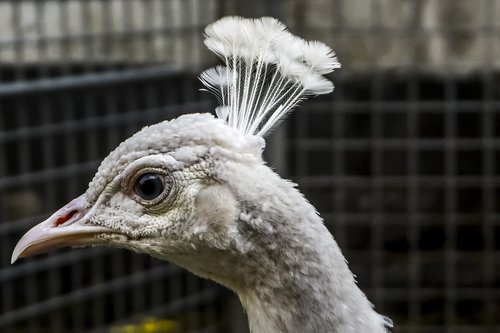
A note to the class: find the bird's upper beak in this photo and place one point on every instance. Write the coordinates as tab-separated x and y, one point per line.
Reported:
66	227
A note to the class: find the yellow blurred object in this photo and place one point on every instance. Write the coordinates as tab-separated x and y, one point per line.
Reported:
149	325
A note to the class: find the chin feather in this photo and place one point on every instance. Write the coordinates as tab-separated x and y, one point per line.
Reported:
267	71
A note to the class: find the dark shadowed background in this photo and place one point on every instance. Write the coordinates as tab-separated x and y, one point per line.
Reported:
402	160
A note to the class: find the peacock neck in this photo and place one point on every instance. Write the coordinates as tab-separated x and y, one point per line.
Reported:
300	281
312	294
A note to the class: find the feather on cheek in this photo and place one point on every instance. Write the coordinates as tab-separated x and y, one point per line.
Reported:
215	209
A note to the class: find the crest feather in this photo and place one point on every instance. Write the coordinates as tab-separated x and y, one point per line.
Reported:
267	71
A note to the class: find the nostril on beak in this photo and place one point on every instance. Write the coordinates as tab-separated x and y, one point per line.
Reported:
69	214
65	218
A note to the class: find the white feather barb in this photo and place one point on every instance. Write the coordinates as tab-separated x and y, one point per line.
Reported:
267	71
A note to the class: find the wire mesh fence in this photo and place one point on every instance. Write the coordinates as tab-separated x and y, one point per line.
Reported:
402	161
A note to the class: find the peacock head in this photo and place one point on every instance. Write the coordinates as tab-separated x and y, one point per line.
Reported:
185	189
165	191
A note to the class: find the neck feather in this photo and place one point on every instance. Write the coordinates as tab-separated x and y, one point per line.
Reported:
319	295
304	284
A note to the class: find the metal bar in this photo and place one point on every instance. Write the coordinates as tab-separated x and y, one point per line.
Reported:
431	106
49	200
432	181
46	175
112	121
488	170
31	267
451	254
92	292
89	80
380	143
376	225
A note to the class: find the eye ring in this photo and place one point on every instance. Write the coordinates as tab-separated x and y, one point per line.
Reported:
150	186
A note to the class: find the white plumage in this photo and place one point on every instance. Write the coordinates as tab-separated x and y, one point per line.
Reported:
267	71
195	191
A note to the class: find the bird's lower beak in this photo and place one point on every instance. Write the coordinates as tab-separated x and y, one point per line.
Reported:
66	227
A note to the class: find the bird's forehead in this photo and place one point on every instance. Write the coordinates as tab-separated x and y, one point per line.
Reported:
187	138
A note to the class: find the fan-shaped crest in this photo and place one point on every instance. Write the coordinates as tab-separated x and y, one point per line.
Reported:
267	71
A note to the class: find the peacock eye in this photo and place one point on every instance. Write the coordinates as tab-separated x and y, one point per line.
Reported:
149	186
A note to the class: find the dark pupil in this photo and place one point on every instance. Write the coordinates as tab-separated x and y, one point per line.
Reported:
149	186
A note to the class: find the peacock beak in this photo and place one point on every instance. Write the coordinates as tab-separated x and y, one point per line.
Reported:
66	227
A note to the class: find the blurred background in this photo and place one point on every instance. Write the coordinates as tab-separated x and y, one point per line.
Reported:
402	160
